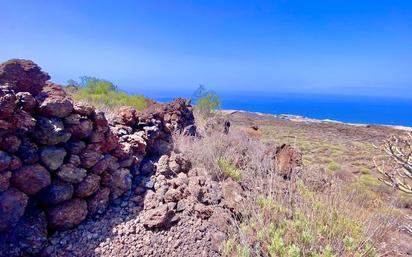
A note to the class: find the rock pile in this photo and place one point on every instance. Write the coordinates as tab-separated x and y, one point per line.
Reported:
61	161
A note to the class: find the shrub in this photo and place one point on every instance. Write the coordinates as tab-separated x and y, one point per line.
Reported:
333	166
229	169
207	102
101	92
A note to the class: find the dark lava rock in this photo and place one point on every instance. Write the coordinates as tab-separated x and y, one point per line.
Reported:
88	186
26	101
56	193
12	206
51	131
28	152
67	214
5	160
10	143
97	203
71	174
75	146
53	102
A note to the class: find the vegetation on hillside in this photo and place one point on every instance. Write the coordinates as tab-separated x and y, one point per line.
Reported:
102	92
207	102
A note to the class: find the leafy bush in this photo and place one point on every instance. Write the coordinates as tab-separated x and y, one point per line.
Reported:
333	166
207	102
102	92
229	169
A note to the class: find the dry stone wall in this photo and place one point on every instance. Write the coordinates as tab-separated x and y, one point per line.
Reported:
63	161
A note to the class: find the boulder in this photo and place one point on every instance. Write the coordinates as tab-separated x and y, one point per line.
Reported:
121	182
56	193
28	152
89	157
157	217
72	119
75	146
22	122
82	130
83	109
28	237
103	164
4	180
15	163
5	160
30	179
97	203
26	101
88	186
7	102
71	174
53	157
10	143
53	102
67	214
23	76
287	160
12	206
50	131
128	115
232	194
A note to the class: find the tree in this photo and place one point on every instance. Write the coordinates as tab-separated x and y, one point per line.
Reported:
207	102
399	172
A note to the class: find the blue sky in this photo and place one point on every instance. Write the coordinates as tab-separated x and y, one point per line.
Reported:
338	47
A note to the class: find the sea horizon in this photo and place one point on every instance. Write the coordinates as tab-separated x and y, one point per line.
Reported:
373	110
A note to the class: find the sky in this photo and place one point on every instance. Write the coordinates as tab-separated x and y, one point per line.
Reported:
349	47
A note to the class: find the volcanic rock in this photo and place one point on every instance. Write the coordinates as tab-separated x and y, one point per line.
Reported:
12	206
67	214
31	179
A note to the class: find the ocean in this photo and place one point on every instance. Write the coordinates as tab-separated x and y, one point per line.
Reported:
350	109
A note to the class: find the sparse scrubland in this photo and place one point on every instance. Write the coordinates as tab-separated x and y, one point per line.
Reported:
103	93
173	180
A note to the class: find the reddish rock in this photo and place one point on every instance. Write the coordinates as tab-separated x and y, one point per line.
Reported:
128	115
52	157
12	206
23	76
173	195
71	174
287	160
56	193
82	130
88	186
97	203
4	180
7	102
89	158
31	179
157	217
99	119
53	102
26	101
22	121
103	164
111	142
232	194
67	214
120	183
5	160
10	143
83	109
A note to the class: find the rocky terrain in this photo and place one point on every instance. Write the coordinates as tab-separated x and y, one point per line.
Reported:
62	163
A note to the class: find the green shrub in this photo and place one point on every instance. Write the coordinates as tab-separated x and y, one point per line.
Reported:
104	93
207	102
229	169
333	166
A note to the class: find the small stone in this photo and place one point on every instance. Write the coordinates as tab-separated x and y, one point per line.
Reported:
52	157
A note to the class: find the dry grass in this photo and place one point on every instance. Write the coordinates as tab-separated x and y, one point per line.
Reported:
312	214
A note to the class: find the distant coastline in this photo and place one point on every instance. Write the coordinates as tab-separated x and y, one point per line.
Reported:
299	118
